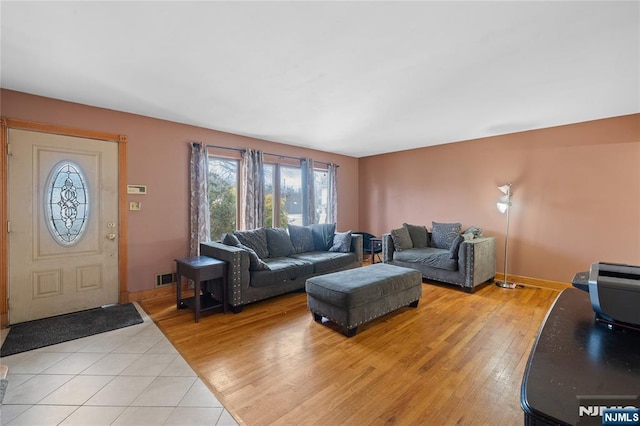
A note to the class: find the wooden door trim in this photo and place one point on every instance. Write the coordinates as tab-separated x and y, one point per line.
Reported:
121	140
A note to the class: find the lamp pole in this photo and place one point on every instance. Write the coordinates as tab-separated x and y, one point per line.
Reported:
505	283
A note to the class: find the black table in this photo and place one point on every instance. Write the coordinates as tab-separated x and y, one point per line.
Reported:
375	246
201	269
577	364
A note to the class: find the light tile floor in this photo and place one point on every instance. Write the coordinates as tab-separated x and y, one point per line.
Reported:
130	376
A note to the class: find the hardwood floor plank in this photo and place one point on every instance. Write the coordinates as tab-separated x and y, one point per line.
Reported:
457	358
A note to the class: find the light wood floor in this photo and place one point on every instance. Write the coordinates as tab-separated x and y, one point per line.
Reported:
457	358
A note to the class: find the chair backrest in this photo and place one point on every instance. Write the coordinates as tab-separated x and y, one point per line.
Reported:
366	242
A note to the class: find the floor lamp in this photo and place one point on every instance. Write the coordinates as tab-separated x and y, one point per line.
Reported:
504	206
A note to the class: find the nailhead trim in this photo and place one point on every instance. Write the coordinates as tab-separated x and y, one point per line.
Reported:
365	320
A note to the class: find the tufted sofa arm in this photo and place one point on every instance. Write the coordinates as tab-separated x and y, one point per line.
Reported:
479	257
356	246
237	267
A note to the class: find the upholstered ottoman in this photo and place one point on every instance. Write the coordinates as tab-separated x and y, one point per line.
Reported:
354	296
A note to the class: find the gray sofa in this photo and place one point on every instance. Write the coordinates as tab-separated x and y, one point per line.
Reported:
450	256
281	261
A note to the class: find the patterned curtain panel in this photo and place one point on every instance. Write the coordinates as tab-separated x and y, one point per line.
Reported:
308	194
199	200
332	213
252	189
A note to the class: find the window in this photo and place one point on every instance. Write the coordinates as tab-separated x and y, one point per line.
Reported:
282	191
66	203
290	196
223	196
283	195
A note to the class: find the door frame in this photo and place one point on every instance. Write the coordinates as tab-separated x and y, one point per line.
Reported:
121	140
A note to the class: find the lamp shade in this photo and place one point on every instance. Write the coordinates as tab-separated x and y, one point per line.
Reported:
506	189
504	202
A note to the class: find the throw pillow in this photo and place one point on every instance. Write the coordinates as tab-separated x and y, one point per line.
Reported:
477	232
301	238
323	236
418	235
468	236
401	239
255	263
443	234
455	247
341	242
278	242
230	240
255	239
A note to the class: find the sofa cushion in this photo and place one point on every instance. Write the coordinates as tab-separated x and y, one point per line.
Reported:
341	242
278	242
455	247
282	269
401	239
443	234
429	256
327	261
323	236
256	239
419	235
301	238
255	263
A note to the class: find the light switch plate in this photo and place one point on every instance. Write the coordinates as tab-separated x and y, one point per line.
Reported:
135	205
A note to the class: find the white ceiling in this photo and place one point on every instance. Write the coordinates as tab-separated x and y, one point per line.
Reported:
354	78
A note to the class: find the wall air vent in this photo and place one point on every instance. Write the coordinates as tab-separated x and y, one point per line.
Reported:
165	279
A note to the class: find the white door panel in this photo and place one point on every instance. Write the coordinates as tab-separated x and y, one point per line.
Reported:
53	269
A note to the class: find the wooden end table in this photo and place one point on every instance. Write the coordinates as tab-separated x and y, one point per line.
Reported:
201	269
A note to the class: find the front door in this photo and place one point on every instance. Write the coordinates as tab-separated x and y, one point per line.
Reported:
63	224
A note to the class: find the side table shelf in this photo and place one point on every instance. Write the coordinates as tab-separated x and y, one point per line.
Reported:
207	303
201	269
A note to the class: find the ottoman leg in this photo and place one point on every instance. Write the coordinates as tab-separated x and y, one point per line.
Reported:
414	304
316	317
350	332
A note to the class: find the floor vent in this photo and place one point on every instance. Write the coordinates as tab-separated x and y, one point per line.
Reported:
165	279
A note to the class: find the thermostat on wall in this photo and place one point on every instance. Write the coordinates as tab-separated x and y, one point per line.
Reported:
137	189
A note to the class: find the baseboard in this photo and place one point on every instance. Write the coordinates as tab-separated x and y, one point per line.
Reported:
164	291
534	282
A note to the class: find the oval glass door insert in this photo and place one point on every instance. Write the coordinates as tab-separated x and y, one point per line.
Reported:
66	203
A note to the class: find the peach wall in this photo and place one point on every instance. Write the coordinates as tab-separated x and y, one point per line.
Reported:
576	193
158	156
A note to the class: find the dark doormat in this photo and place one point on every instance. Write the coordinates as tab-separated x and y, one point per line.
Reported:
62	328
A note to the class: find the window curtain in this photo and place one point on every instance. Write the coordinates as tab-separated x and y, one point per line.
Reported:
199	199
308	194
252	189
332	208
